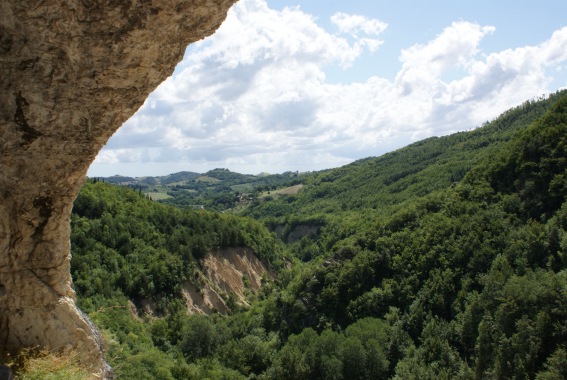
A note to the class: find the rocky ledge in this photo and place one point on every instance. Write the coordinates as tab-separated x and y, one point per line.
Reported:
71	73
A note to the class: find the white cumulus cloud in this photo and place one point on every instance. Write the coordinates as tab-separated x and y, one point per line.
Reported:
254	96
356	24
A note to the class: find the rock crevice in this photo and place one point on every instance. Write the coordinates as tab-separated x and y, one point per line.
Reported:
71	72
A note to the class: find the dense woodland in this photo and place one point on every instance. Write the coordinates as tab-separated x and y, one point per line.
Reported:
446	259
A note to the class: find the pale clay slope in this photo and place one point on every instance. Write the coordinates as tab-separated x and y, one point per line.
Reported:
225	271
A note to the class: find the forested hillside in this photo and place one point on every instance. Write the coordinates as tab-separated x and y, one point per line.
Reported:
471	280
129	252
376	183
444	260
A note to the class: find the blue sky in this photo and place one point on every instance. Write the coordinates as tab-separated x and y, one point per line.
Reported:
288	85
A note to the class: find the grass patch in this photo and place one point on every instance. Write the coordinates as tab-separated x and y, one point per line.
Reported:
42	364
285	191
156	196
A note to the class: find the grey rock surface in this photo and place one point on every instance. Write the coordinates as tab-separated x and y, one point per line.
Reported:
71	73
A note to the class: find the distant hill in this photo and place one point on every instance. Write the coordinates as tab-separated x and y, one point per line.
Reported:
218	189
176	177
232	177
120	180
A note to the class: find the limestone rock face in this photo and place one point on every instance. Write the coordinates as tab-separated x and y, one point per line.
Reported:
71	72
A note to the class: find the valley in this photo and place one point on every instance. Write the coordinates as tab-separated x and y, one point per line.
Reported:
444	259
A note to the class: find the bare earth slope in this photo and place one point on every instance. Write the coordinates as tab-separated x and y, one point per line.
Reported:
227	271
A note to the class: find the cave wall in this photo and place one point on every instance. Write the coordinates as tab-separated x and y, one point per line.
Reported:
71	73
